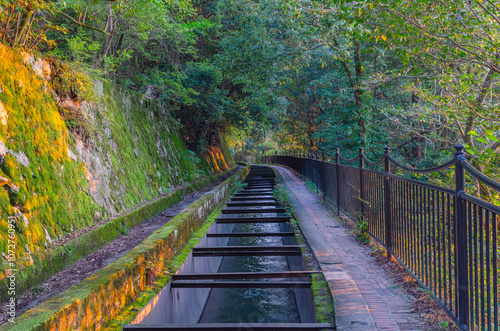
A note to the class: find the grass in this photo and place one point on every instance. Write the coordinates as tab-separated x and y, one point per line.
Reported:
323	301
311	186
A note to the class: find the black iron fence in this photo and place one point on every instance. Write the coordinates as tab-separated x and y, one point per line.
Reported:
446	238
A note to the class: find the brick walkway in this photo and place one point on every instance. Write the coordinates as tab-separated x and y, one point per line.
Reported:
364	295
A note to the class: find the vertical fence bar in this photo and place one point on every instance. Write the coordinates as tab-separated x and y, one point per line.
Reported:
471	259
387	204
441	226
461	240
434	240
481	264
316	171
495	272
425	224
361	184
488	270
337	170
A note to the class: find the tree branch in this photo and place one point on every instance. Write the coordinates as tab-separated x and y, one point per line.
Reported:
83	25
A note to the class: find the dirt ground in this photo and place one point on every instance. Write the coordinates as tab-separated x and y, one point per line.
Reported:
104	256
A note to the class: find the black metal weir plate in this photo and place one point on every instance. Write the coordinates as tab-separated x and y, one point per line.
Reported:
246	273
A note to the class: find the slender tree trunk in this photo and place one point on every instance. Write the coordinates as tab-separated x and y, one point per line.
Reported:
481	95
357	91
353	81
111	25
24	26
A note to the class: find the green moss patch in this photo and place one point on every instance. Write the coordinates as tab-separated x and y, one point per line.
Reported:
323	301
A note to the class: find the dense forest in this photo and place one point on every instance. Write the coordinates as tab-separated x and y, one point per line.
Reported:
418	76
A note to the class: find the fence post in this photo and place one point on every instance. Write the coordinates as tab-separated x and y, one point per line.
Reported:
316	168
387	203
461	240
337	169
361	182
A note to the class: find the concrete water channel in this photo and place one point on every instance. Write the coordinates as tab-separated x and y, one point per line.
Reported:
246	273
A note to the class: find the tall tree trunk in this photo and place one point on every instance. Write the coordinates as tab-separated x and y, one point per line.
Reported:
110	25
353	81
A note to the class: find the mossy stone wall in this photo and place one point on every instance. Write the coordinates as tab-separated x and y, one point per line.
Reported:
60	173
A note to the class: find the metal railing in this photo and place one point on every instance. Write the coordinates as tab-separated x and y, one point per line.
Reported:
446	238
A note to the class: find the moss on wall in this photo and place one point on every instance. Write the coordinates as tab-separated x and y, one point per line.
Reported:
47	190
60	173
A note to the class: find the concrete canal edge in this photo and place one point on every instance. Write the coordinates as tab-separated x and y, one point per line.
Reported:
60	257
99	298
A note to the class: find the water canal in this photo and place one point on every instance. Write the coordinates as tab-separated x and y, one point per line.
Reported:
246	272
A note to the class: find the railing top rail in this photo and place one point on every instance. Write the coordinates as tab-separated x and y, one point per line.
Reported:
348	160
480	202
479	175
373	164
460	158
425	170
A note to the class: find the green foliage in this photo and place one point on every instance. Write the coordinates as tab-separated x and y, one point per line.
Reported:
238	186
81	48
361	231
281	194
311	186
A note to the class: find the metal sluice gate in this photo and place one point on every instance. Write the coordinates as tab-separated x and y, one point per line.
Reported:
250	249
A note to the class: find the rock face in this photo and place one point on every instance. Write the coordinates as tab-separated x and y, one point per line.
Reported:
22	158
3	115
39	66
3	148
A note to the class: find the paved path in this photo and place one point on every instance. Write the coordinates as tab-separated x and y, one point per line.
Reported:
365	297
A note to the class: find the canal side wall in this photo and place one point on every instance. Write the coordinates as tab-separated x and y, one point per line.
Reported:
99	298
